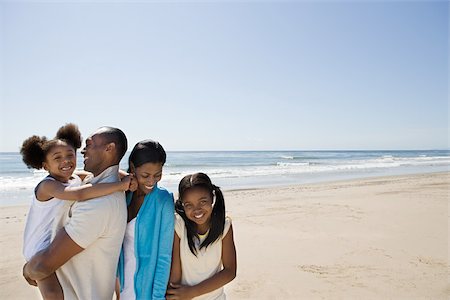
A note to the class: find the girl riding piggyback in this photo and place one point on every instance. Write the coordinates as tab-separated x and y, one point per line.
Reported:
58	157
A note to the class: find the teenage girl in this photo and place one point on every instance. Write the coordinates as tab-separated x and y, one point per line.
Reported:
204	255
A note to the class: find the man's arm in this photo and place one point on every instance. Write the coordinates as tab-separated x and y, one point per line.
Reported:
47	261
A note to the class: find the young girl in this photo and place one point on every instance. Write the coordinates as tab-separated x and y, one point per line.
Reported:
144	265
58	157
204	255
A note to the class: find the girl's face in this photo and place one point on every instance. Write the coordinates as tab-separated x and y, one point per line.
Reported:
61	161
197	204
147	175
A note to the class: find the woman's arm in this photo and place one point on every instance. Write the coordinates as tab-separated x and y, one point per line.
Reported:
227	274
51	188
164	258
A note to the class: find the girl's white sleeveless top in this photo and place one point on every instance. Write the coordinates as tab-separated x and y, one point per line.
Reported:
38	228
129	262
208	261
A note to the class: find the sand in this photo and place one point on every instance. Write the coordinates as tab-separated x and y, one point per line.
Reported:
377	238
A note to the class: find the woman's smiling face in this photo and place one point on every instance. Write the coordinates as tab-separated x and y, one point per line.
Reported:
147	175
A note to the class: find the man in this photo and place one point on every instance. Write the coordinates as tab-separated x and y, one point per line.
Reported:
88	235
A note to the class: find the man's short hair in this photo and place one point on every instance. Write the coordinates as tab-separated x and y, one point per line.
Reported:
116	136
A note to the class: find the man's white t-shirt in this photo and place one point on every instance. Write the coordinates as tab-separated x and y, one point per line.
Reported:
97	225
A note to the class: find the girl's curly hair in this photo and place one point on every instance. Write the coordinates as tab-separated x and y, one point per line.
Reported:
35	148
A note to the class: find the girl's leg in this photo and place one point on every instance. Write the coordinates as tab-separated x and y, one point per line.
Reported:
117	288
50	288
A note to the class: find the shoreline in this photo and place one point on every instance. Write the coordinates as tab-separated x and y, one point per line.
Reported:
17	189
369	238
250	170
281	186
327	182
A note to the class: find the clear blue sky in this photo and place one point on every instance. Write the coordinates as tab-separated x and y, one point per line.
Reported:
229	75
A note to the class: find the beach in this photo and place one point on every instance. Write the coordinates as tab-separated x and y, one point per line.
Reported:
372	238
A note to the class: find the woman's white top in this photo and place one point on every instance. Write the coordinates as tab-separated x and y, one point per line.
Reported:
195	269
38	228
129	262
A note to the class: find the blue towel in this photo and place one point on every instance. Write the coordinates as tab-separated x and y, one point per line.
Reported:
154	233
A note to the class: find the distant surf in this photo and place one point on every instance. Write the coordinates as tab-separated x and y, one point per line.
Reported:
249	169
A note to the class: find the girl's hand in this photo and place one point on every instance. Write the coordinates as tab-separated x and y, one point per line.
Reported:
117	288
133	184
179	292
125	183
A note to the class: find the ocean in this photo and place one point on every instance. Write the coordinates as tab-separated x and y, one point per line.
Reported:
248	169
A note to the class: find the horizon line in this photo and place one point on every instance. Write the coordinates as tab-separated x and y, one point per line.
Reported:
293	150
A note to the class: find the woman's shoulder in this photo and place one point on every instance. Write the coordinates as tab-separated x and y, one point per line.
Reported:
164	199
163	193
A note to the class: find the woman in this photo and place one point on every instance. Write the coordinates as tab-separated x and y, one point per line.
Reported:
144	264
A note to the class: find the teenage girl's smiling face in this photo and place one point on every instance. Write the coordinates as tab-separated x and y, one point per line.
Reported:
61	161
197	204
147	175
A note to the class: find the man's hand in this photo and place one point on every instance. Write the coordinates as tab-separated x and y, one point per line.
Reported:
27	278
47	261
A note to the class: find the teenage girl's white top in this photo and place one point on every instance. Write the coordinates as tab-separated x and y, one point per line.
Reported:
130	262
40	218
195	269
